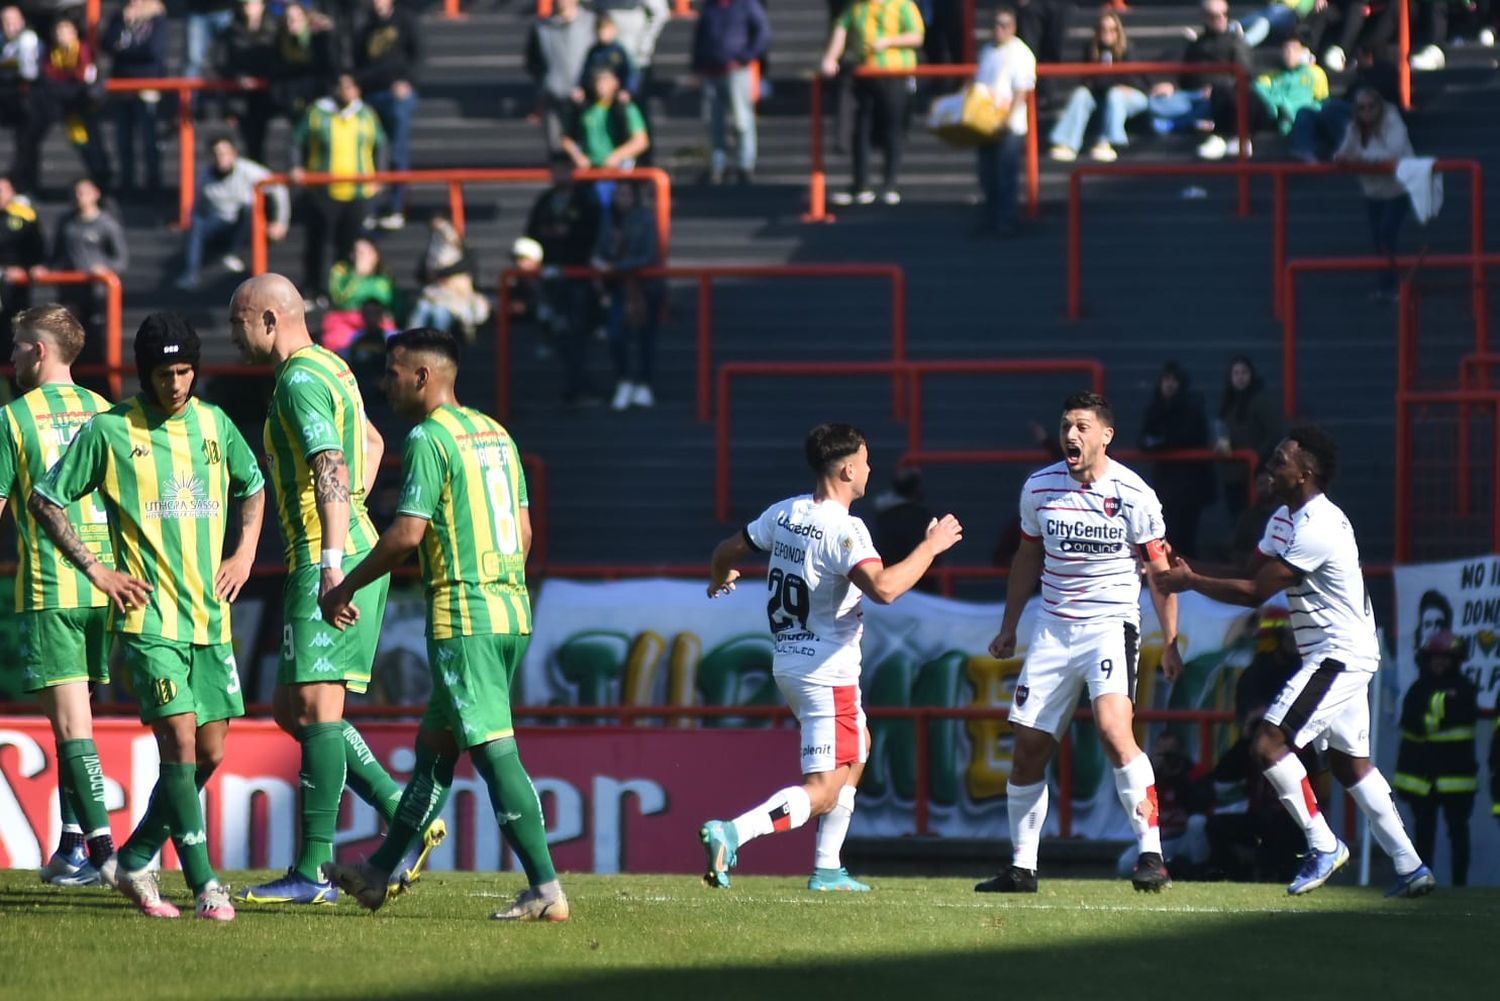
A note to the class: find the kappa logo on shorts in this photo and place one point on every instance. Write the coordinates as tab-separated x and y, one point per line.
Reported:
1111	506
322	640
164	690
1021	692
323	665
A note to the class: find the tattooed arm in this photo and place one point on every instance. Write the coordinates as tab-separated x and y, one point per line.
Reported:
330	475
124	590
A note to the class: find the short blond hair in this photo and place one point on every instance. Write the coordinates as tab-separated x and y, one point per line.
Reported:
59	325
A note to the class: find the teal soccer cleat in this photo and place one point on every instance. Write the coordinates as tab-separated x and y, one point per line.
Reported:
719	845
835	881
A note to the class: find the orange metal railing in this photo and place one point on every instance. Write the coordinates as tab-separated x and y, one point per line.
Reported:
680	8
1406	399
455	179
113	312
1278	172
905	374
1403	52
704	275
817	183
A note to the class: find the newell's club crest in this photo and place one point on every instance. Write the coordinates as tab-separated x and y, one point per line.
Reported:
1021	692
1111	506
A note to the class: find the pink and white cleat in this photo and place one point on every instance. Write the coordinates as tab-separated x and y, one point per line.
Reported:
140	887
213	903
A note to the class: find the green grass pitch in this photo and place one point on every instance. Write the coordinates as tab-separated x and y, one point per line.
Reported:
659	937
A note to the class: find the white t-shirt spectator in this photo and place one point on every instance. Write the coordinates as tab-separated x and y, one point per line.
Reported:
1008	70
1387	143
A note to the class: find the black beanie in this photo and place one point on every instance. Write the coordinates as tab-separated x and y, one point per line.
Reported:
164	339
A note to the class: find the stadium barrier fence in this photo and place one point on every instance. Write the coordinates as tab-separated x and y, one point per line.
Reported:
113	313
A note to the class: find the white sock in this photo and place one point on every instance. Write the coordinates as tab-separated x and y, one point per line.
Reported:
785	811
1289	779
1027	806
72	829
1373	794
1136	784
832	829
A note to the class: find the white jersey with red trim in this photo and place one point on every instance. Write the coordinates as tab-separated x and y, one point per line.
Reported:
812	604
1331	613
1090	535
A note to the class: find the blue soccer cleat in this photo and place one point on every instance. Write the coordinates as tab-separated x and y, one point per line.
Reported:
293	888
835	881
1317	867
719	846
70	869
1417	883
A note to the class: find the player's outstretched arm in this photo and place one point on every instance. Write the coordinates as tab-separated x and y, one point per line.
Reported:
374	452
1272	578
721	571
1166	614
884	584
394	546
123	590
235	569
1025	574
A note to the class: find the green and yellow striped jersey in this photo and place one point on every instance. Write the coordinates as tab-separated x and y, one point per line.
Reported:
166	483
463	476
343	141
316	407
34	432
871	19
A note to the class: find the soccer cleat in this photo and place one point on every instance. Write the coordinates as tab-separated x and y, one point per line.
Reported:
140	887
1012	880
293	888
402	879
1417	883
719	846
532	906
64	864
1317	867
84	875
835	880
1150	873
362	881
213	903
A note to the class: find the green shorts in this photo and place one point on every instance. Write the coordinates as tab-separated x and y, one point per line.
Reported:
63	645
311	649
471	678
171	678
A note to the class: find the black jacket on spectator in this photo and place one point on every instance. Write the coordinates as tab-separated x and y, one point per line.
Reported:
1099	85
244	51
1184	488
565	221
389	49
1215	47
139	50
304	69
1253	421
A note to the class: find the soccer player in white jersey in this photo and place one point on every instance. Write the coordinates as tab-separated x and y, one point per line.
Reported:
1087	524
822	560
1309	552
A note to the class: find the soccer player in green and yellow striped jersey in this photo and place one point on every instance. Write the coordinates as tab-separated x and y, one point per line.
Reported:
464	504
62	617
166	466
323	457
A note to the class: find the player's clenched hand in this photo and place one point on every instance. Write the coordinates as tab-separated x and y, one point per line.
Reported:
231	577
944	533
1171	661
123	590
330	580
337	607
1003	646
725	587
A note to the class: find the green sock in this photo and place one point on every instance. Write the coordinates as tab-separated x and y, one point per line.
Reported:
72	834
517	808
423	798
153	830
179	792
366	778
78	760
322	780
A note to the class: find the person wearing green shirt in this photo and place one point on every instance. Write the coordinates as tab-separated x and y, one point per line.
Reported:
61	618
166	465
464	506
609	131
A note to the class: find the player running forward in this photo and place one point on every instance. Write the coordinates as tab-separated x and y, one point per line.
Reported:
821	561
62	618
166	465
464	505
1309	552
323	458
1085	521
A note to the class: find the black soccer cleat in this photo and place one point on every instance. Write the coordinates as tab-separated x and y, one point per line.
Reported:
1012	880
1150	874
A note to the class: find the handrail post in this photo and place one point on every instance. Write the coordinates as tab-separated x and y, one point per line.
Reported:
503	346
113	319
187	151
1033	160
1403	53
451	10
923	786
968	29
1278	238
721	447
1289	343
91	26
258	253
456	198
898	338
817	180
1242	127
1075	244
705	342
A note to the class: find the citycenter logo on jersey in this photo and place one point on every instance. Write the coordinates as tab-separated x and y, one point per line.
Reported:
183	497
1083	530
807	531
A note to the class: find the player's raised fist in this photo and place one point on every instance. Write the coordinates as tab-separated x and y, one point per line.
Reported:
944	533
1003	646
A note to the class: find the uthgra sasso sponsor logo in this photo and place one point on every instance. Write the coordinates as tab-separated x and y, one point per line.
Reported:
183	497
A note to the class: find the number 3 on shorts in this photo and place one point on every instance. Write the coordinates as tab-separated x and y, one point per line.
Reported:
1106	667
234	675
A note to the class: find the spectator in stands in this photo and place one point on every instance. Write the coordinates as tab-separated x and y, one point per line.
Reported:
207	20
555	51
607	52
628	242
944	44
1248	419
1250	526
69	94
1282	18
1355	29
338	130
21	249
1043	26
136	39
1185	107
901	520
730	36
221	210
882	34
564	220
1299	87
1429	34
449	300
640	24
608	132
246	53
1184	797
88	239
20	67
386	60
354	283
1117	99
303	61
1008	70
1378	135
1175	420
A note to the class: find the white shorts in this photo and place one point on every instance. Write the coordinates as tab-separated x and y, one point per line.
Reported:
1064	656
1325	701
833	723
